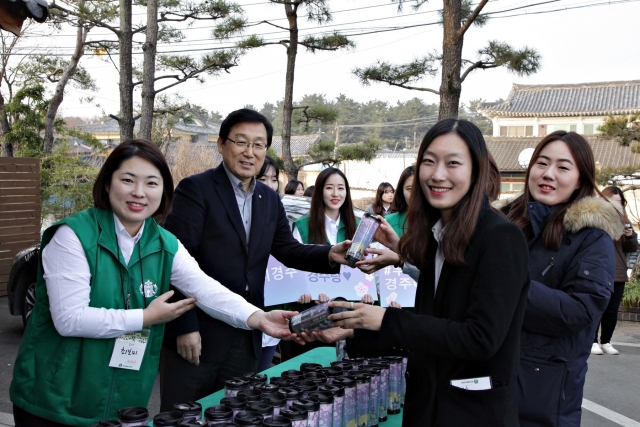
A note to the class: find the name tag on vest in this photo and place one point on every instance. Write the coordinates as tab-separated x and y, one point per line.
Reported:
129	350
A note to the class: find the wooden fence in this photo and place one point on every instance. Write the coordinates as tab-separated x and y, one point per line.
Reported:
19	210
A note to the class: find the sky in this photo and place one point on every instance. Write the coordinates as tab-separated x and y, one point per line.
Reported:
579	40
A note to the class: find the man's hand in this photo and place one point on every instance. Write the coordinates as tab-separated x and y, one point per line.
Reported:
328	336
384	258
337	252
190	347
160	311
274	323
362	316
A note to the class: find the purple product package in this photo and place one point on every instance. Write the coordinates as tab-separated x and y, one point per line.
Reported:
403	386
133	416
313	410
325	398
363	391
395	372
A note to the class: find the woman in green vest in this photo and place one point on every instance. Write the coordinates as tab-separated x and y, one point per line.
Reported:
400	203
92	343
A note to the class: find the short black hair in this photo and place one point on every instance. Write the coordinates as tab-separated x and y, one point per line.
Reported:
146	150
245	115
309	191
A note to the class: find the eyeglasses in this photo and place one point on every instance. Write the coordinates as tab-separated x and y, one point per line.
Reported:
257	146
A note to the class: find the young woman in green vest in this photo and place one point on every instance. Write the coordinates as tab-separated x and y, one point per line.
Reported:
400	203
104	275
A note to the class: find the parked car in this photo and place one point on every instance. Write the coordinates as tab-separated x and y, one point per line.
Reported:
22	278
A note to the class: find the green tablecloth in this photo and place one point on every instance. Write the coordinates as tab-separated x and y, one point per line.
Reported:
322	355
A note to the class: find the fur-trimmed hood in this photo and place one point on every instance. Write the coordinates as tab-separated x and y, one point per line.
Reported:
589	212
594	212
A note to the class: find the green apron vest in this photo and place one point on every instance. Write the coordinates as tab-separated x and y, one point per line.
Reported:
302	224
68	379
397	221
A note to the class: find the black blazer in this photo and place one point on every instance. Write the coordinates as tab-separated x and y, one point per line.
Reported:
470	329
206	219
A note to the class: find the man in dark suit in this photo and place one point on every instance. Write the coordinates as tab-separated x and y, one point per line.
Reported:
230	223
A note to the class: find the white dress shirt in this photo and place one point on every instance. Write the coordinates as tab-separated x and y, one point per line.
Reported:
67	276
438	232
330	228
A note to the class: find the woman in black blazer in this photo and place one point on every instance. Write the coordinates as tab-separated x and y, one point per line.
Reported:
471	293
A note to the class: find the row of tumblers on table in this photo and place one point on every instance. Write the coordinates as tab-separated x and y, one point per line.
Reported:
350	393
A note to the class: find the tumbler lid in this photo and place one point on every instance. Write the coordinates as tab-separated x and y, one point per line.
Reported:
322	396
252	394
336	389
193	422
260	407
107	423
311	405
248	418
134	413
373	217
218	412
172	418
346	382
295	413
234	402
189	407
277	421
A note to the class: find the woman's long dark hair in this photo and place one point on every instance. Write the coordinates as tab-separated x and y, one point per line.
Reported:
554	230
400	204
378	207
421	216
317	233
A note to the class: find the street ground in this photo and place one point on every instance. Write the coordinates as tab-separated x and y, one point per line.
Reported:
610	395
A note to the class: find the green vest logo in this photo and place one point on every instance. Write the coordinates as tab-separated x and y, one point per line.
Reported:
148	289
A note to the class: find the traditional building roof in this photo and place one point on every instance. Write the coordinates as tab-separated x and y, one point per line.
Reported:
300	144
194	126
567	100
606	152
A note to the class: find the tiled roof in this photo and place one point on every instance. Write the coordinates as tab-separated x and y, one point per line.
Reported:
608	153
108	126
207	128
111	126
299	144
584	99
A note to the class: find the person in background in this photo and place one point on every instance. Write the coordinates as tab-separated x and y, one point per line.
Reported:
295	188
571	265
269	173
382	203
471	295
105	274
400	205
330	221
230	223
309	191
627	243
269	176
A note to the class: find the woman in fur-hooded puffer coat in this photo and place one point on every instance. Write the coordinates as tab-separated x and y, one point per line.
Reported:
571	265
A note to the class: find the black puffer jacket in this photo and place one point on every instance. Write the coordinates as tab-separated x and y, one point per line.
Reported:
570	288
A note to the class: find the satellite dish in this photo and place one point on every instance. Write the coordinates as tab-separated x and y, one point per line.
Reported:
524	158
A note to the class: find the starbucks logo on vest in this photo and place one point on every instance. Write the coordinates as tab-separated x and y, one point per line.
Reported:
148	289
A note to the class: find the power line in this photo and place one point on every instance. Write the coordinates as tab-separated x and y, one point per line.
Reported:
364	31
